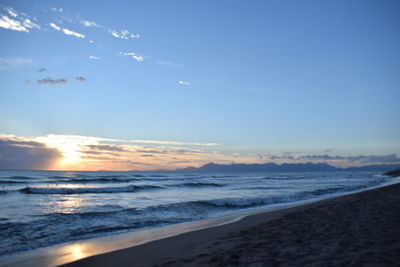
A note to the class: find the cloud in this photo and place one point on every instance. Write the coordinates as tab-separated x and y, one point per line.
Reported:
17	22
41	70
94	57
184	83
88	23
336	160
59	10
26	155
390	158
95	153
9	63
55	27
16	25
132	55
107	148
81	79
69	32
123	34
12	12
49	81
66	31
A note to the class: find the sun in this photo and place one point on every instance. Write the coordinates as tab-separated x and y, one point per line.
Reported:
70	148
69	152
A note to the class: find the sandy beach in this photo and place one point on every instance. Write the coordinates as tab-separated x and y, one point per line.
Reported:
361	229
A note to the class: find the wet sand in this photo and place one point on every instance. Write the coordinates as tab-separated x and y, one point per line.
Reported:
361	229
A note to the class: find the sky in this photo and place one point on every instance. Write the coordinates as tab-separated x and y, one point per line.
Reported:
147	85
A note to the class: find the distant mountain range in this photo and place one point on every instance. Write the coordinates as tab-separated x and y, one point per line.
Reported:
285	167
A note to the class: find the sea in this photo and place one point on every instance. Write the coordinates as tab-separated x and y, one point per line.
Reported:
43	208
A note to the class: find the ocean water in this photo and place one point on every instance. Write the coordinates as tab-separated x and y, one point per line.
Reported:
42	208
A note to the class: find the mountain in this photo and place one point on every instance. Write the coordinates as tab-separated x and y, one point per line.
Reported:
285	167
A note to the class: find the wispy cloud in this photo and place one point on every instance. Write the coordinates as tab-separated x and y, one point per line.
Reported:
122	34
81	79
17	21
41	70
12	12
76	34
184	83
50	81
66	31
22	25
10	63
60	81
132	55
93	153
358	158
88	23
55	27
59	10
336	160
94	57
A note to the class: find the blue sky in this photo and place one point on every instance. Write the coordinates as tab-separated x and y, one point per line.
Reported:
258	78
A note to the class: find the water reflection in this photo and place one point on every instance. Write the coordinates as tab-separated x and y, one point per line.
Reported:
75	252
68	204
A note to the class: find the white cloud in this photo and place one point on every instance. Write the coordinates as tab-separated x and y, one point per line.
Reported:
29	24
10	24
184	83
12	12
115	34
66	31
88	23
21	25
13	62
133	56
55	27
93	57
17	22
123	34
59	10
76	34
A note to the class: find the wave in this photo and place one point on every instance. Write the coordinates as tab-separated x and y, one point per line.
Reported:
95	180
264	188
234	203
12	182
22	178
193	184
224	176
52	190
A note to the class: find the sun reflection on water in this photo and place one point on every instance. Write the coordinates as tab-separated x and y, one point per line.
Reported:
68	204
75	251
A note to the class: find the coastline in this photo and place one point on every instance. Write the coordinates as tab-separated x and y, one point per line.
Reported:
358	229
198	231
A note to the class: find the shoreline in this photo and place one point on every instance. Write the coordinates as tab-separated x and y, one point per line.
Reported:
356	229
68	252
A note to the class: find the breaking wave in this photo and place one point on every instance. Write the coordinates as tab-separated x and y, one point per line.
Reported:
52	190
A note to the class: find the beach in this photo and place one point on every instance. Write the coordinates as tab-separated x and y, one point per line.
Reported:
360	229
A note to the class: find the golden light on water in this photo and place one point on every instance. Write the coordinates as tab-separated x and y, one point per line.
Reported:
75	252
